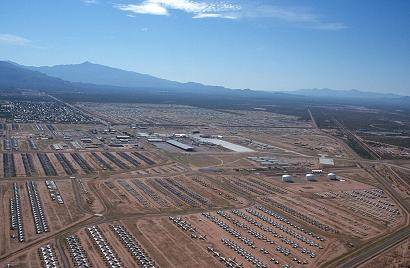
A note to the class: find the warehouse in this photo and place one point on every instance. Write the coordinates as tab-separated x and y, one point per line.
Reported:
123	137
181	145
228	145
155	140
325	161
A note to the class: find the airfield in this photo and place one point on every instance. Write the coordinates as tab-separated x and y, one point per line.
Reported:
141	185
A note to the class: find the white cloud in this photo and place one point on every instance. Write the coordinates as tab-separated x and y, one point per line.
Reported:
281	13
198	9
10	39
213	15
89	2
144	8
302	17
202	9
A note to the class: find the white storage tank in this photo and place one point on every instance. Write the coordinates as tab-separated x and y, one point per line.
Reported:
287	178
310	177
332	176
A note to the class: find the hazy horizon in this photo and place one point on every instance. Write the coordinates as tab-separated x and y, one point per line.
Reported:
261	45
271	90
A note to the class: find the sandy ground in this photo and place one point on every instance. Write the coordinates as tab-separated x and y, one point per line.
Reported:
159	234
59	216
57	166
209	174
1	166
19	166
38	166
76	166
396	257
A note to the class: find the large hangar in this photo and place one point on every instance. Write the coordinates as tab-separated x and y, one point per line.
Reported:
181	145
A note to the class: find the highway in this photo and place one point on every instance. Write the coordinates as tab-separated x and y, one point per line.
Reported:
376	248
371	249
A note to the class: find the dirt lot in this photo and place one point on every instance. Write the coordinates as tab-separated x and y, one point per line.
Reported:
396	257
202	208
59	216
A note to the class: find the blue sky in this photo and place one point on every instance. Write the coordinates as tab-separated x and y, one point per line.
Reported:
258	44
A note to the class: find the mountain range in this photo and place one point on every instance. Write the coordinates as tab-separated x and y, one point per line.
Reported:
14	76
333	93
91	73
87	76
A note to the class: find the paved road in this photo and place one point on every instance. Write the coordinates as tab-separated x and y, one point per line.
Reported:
370	250
95	220
376	248
313	119
355	258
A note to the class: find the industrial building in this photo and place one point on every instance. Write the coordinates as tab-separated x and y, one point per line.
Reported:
326	161
287	178
155	140
332	176
123	137
181	145
227	145
310	177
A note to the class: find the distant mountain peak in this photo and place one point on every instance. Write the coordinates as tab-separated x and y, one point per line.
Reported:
93	73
